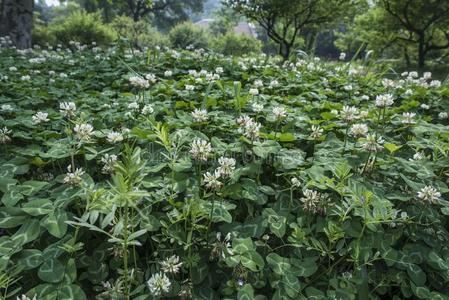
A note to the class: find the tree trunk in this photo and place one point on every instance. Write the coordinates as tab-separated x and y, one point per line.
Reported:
16	21
284	50
407	58
421	53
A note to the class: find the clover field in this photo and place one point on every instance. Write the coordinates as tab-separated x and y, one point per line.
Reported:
189	175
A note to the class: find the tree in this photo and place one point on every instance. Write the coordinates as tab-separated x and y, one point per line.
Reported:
16	21
424	23
283	20
173	10
372	29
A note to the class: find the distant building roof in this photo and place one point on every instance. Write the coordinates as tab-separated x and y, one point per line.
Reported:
204	22
245	28
241	28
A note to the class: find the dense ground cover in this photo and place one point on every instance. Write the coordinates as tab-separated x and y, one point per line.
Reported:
190	175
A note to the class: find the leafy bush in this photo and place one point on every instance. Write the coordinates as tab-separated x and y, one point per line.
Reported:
238	45
220	178
41	34
84	28
140	33
187	34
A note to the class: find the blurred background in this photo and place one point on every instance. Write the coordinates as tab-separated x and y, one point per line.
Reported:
407	34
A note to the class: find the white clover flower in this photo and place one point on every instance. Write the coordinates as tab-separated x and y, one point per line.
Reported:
63	75
168	73
25	78
408	92
189	87
171	265
342	56
435	83
211	180
316	133
363	114
4	135
24	297
12	69
348	88
227	166
159	284
417	156
408	118
83	131
413	74
364	97
219	70
279	112
133	106
222	247
274	83
349	113
257	107
114	137
429	194
139	82
358	130
6	108
249	128
108	163
73	177
427	75
425	106
40	117
67	109
200	149
404	74
384	100
258	83
373	143
443	115
150	77
310	200
200	115
147	109
295	182
253	92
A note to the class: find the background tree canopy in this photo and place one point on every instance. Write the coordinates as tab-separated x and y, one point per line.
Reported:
404	33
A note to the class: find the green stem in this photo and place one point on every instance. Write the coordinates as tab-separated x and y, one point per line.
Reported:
125	252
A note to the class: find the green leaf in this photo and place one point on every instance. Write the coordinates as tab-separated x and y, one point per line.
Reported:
280	265
199	272
246	293
416	274
51	271
28	232
392	147
38	207
241	246
55	223
30	258
29	188
71	292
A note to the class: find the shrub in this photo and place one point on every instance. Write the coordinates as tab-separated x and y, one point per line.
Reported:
84	28
41	34
232	44
186	34
140	34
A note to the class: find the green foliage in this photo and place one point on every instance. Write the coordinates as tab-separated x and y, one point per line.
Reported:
84	28
187	34
238	45
140	34
131	191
